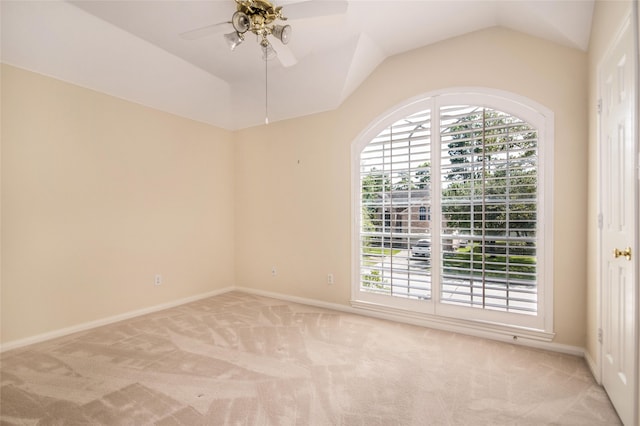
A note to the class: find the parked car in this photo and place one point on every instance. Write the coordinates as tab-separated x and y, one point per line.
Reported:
421	249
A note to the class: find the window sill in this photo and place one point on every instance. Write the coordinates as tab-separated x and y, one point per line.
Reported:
472	327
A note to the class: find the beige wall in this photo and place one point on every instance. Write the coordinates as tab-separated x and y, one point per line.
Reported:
607	20
293	205
99	195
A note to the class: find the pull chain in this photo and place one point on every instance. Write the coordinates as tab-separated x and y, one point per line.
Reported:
266	92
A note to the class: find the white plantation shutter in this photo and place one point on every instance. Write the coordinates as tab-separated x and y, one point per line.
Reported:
488	181
450	213
395	173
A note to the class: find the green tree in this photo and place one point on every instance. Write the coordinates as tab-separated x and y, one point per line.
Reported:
374	185
420	180
492	182
423	175
405	183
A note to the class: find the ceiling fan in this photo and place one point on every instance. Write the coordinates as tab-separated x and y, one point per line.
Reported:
259	17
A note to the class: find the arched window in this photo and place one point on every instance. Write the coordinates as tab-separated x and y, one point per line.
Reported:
480	164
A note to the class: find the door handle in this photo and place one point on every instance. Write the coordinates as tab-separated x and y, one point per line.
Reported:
626	253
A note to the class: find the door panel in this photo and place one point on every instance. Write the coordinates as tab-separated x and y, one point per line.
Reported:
617	87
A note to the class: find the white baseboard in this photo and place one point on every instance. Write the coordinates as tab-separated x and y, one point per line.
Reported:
476	332
15	344
550	346
593	366
296	299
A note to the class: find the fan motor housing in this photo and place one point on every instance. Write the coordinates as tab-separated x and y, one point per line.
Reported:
260	12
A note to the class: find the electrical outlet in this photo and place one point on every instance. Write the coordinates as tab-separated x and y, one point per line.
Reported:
330	279
158	279
274	272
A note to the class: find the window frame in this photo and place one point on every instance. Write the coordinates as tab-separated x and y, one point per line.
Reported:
422	212
539	326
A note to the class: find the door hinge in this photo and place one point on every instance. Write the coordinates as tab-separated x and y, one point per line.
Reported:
599	106
600	335
600	221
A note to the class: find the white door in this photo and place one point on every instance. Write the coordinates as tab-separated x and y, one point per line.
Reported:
617	84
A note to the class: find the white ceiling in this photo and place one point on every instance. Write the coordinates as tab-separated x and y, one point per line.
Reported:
134	49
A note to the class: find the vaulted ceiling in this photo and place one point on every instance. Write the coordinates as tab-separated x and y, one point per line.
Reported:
138	50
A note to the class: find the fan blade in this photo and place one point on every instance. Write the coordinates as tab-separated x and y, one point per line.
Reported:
205	31
285	55
315	8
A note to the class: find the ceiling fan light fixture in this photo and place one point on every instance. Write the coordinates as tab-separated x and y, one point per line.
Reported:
282	33
241	22
233	39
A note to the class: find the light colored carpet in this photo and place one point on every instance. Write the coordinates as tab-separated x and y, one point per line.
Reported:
240	359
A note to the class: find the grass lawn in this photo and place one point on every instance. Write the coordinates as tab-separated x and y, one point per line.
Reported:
379	251
374	255
495	265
